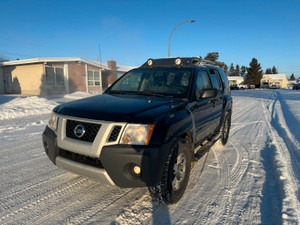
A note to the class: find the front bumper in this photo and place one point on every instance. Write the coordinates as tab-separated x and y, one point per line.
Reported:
115	163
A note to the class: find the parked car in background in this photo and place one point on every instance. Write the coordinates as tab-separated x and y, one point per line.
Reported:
296	86
274	86
234	87
265	85
251	86
242	86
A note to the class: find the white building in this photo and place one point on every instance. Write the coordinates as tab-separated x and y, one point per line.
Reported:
235	80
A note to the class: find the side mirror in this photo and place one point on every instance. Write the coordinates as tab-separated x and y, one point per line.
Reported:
209	93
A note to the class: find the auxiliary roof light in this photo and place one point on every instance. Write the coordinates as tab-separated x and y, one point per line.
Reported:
150	62
178	61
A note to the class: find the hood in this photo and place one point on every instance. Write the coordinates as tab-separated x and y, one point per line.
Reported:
120	108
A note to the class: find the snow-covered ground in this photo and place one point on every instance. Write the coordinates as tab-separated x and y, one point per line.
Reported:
254	179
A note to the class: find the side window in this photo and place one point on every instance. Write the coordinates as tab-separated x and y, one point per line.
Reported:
202	82
219	81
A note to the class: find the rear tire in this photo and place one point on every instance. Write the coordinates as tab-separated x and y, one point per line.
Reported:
175	175
226	128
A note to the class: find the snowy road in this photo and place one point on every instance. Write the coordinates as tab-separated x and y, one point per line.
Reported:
254	179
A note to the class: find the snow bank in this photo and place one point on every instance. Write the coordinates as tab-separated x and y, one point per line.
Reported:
21	107
78	95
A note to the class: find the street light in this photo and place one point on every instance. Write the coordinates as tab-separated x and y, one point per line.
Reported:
192	21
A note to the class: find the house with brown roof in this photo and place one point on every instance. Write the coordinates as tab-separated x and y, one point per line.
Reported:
46	76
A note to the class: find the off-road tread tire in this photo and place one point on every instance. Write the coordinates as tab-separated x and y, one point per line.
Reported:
161	192
225	139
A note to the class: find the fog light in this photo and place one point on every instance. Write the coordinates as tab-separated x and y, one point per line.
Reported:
137	170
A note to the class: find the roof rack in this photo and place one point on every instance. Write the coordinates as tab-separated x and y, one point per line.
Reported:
201	62
178	62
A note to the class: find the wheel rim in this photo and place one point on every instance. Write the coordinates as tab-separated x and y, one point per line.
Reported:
179	171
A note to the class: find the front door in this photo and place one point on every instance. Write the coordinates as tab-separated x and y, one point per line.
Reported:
7	83
203	110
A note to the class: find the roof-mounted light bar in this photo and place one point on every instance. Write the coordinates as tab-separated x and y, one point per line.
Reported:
177	62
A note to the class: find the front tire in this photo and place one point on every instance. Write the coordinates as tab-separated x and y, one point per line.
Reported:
175	175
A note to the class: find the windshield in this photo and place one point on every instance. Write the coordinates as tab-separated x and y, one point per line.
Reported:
167	82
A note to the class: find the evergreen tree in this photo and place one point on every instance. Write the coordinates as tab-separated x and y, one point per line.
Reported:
3	59
212	56
231	70
243	70
268	71
274	70
226	69
254	73
221	65
237	70
292	77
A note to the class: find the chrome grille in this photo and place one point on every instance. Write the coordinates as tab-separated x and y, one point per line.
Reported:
91	130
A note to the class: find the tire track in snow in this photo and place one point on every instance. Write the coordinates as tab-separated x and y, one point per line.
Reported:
138	212
40	197
23	144
242	111
12	195
52	193
289	139
88	201
233	174
285	169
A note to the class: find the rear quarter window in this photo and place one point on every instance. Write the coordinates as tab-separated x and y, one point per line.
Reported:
224	79
216	80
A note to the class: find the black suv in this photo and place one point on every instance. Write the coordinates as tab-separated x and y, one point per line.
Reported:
146	128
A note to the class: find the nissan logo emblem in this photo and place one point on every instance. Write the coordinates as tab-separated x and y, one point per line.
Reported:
79	130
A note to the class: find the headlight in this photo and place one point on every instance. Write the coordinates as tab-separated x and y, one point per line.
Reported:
52	124
137	134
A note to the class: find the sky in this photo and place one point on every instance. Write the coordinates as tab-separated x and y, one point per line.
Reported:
132	31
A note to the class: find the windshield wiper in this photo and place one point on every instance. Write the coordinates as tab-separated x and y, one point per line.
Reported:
153	94
118	92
